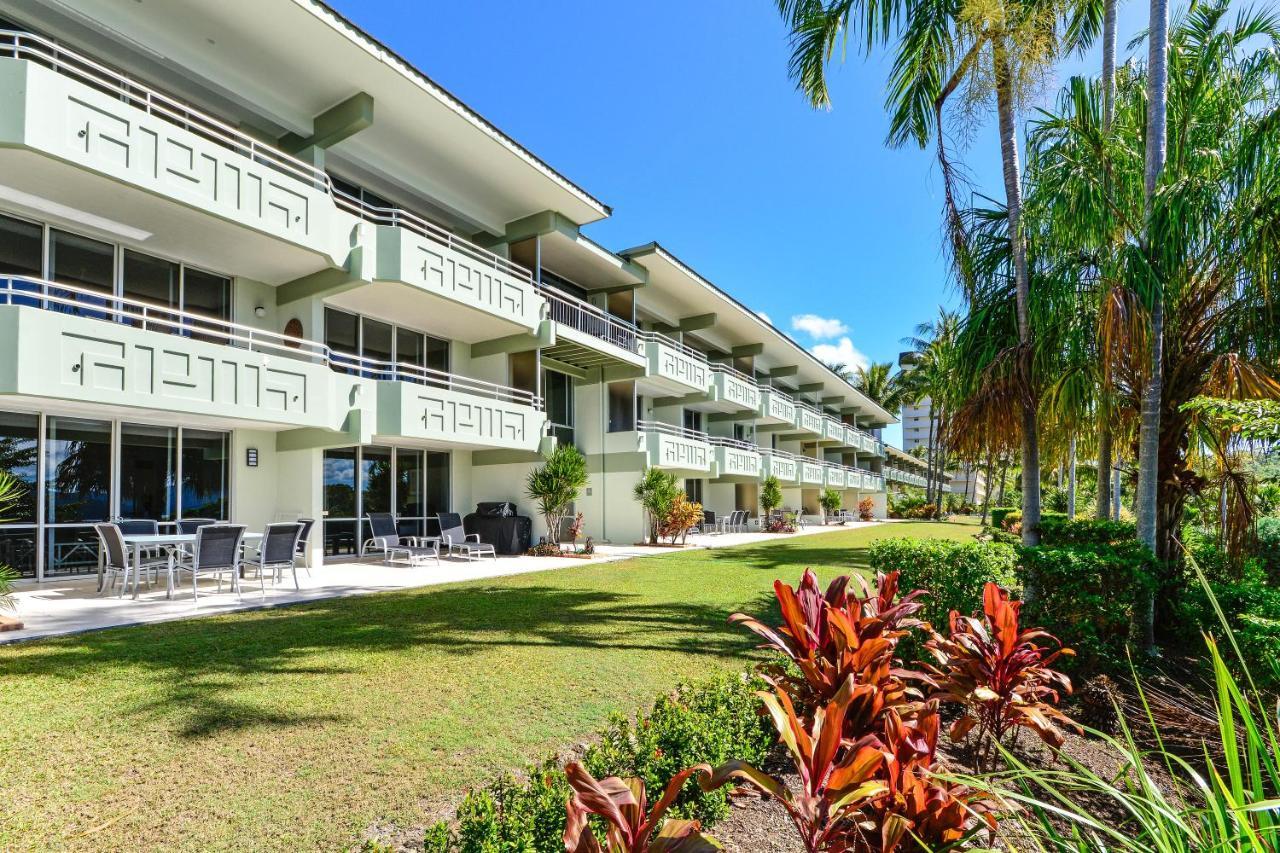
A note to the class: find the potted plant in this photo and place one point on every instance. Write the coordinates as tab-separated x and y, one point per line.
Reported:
830	501
555	485
770	497
656	492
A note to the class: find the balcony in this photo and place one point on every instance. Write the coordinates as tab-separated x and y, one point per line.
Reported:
428	405
674	448
233	191
834	477
832	430
674	366
735	460
69	343
812	472
485	286
776	408
732	390
780	464
809	421
587	336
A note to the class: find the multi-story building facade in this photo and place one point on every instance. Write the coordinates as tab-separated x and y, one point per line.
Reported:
966	481
255	266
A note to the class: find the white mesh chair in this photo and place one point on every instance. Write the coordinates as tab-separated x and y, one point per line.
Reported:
455	539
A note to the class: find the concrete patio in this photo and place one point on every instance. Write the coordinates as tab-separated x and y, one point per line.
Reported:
73	605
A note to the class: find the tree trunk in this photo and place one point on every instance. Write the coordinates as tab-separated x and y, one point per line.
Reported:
1022	281
1117	489
1146	501
1071	479
1104	474
1108	114
1004	475
929	453
986	493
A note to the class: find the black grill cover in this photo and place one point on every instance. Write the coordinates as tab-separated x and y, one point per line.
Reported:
510	534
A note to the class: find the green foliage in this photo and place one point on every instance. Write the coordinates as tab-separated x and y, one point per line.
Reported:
556	484
830	499
437	838
954	573
1059	530
1086	594
1000	514
1255	420
708	722
770	494
10	494
1267	547
656	492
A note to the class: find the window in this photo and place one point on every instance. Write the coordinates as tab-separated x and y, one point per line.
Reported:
152	280
557	389
77	458
340	501
693	490
693	420
148	472
205	474
21	251
85	263
353	335
19	445
413	484
409	507
205	293
437	485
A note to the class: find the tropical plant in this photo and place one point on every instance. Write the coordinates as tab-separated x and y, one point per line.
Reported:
655	492
770	495
835	783
879	383
11	493
556	484
866	509
999	675
682	516
632	826
828	637
830	501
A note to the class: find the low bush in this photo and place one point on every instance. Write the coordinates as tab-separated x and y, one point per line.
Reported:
954	573
1059	530
866	509
708	722
1267	548
1000	513
1087	592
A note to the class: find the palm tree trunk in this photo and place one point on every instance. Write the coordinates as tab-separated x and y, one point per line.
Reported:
986	494
1071	479
1022	282
1147	498
928	471
1004	475
1104	474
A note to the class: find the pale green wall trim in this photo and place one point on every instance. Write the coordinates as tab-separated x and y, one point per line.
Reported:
621	373
785	370
687	400
810	387
328	282
509	344
537	224
503	457
311	438
831	401
747	350
615	463
334	124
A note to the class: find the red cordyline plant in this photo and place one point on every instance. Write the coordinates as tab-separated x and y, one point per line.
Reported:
632	827
830	636
997	672
876	794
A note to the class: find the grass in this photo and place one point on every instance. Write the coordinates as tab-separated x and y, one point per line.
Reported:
300	727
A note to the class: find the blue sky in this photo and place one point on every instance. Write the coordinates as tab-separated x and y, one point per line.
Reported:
681	117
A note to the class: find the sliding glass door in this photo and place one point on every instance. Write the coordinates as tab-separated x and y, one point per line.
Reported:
19	459
412	484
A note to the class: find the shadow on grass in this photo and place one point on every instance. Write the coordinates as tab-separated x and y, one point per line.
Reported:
199	663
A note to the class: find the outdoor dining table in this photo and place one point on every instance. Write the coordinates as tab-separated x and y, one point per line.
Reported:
136	543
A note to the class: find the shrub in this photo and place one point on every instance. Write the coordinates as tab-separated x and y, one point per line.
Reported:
556	484
770	494
656	491
1087	592
1267	548
954	573
830	501
712	722
866	509
1000	513
999	675
1060	530
707	722
624	807
682	516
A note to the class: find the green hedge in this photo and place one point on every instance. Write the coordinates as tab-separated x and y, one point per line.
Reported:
1085	596
710	722
1059	530
999	513
954	573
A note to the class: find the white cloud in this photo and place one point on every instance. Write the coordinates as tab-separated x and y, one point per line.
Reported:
765	317
818	328
841	352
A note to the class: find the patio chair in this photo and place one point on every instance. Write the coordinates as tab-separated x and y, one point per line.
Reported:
277	551
189	526
303	538
142	527
385	537
216	553
455	539
116	562
708	524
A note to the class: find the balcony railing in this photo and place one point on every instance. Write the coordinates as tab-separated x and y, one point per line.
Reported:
577	314
69	63
659	338
735	443
96	305
672	429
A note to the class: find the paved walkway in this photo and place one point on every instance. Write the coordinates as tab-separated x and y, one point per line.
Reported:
72	605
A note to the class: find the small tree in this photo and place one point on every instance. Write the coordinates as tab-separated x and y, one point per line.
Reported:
656	492
866	509
830	501
683	516
770	495
10	491
556	484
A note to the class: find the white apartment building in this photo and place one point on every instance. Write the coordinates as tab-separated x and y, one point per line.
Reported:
970	483
254	266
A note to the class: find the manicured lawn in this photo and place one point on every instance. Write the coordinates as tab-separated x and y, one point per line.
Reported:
299	727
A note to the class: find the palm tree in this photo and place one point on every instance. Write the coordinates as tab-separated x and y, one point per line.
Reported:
932	377
841	370
881	385
1002	48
